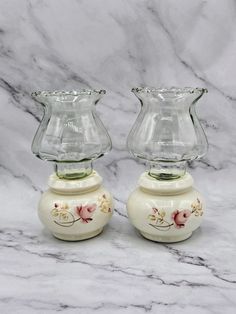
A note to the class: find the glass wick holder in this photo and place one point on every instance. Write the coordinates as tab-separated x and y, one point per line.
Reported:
166	135
76	206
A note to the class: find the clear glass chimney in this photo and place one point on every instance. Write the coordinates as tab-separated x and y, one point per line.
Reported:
167	132
70	134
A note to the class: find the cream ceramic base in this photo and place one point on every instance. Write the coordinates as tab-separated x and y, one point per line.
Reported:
78	238
166	239
165	211
75	210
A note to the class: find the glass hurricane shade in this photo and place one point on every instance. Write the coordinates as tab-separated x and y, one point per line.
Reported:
70	133
167	132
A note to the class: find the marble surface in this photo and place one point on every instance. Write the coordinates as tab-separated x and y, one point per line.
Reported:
115	45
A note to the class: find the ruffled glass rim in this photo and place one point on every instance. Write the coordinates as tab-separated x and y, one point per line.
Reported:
68	93
175	90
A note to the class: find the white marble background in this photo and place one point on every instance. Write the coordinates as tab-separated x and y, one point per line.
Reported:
59	44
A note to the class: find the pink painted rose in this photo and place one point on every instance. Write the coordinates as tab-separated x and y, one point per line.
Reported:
85	212
180	217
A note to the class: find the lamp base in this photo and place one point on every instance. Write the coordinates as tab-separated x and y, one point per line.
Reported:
166	239
75	210
165	211
67	237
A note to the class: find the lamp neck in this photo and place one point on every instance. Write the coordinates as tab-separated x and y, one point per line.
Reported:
165	187
73	170
167	170
81	186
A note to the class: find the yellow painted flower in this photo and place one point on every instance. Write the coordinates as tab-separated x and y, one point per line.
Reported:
104	204
54	212
60	211
162	213
152	217
197	208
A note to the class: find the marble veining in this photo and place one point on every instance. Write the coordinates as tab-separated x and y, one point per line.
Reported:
116	45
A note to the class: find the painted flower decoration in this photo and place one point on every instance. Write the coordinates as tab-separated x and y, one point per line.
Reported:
197	208
61	211
104	204
157	216
180	217
85	212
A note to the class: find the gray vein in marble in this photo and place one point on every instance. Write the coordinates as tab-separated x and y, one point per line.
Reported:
184	62
23	177
197	261
111	267
117	210
18	95
43	305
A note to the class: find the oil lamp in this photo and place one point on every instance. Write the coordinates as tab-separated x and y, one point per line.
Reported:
76	206
167	133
